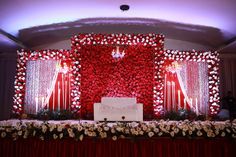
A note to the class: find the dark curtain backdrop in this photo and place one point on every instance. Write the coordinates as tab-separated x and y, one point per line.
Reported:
161	147
228	75
7	77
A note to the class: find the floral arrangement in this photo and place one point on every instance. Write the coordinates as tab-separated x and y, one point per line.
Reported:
79	130
136	74
24	55
212	59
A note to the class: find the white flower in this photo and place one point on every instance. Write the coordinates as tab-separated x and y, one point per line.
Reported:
61	135
141	132
119	129
34	133
233	135
3	134
223	134
55	136
190	132
44	128
19	133
127	131
52	127
59	128
8	130
72	135
69	130
122	136
199	133
103	134
90	133
160	134
86	131
132	130
227	129
99	129
156	130
81	137
168	127
172	133
150	134
183	133
41	138
144	127
113	130
133	124
106	128
79	128
114	138
217	132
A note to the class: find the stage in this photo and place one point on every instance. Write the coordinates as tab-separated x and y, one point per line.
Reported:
89	138
117	77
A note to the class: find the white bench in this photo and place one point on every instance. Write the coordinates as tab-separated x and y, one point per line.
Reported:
118	109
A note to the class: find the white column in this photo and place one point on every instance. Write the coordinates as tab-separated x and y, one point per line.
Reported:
179	100
66	95
168	95
63	91
197	112
58	96
53	99
185	104
165	94
36	104
173	96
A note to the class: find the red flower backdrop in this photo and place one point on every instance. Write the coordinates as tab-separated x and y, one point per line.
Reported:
212	60
26	55
134	75
96	73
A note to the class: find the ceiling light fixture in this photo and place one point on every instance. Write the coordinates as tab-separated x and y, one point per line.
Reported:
124	7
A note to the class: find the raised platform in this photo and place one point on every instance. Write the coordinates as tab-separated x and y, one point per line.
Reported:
88	138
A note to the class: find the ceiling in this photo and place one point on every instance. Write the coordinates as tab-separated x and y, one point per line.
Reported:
32	23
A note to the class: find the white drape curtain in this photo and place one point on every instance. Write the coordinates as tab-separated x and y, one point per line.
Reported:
194	76
40	79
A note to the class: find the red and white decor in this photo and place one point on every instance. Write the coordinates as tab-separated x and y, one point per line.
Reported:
117	65
45	79
129	73
192	81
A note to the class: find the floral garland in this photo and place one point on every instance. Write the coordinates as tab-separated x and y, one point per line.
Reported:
212	59
20	78
50	130
154	41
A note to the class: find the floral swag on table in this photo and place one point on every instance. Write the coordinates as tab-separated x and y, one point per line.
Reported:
16	129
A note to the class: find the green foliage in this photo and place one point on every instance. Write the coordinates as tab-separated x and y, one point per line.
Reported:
54	115
182	114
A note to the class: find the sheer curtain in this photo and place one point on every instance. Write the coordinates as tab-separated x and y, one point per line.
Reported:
186	87
40	79
194	76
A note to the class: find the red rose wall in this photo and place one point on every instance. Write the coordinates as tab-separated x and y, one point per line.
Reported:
103	75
